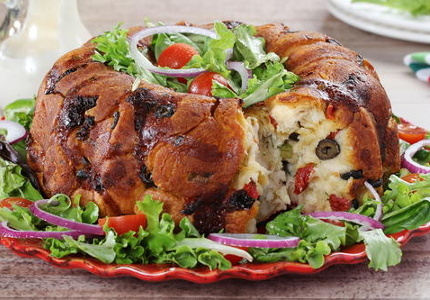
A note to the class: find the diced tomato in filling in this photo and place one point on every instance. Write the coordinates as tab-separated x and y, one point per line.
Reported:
273	122
303	177
251	189
339	203
332	135
329	112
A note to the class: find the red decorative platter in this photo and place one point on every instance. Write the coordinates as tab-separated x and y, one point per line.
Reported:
157	272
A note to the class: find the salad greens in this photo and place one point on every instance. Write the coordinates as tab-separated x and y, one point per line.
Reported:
414	7
14	184
157	243
20	111
164	242
269	76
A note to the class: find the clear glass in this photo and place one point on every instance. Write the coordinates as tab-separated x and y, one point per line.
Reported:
33	35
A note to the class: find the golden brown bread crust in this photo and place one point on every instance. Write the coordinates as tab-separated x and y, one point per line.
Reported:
341	77
93	135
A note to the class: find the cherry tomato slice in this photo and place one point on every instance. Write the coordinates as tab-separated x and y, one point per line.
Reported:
411	133
10	202
202	84
126	223
413	177
176	55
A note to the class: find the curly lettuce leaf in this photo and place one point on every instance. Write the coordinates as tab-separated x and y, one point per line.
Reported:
318	239
160	242
382	251
19	218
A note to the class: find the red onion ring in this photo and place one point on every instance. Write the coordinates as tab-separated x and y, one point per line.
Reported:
378	211
244	73
409	163
15	131
6	231
83	228
254	240
346	216
144	62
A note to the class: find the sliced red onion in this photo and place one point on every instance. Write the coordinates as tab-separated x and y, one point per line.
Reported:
83	228
243	72
255	240
15	131
144	62
6	231
209	244
346	216
409	163
378	211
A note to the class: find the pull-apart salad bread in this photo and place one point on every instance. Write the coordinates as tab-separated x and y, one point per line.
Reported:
219	161
177	144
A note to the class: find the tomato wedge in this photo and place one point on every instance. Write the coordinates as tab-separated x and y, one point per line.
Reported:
11	201
202	84
124	224
411	133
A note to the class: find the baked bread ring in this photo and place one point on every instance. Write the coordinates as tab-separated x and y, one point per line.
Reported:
209	159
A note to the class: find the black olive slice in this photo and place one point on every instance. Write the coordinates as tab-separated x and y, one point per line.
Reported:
327	149
356	174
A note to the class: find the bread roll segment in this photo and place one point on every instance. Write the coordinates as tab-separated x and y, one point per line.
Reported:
208	159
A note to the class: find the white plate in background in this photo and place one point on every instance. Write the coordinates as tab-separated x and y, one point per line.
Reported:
382	20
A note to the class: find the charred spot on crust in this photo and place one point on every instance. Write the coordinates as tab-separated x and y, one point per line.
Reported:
333	41
150	109
84	131
240	200
97	183
73	111
146	176
375	183
178	140
115	119
189	208
82	174
327	149
356	174
165	111
337	93
146	102
54	77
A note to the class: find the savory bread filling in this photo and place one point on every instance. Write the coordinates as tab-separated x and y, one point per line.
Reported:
296	155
